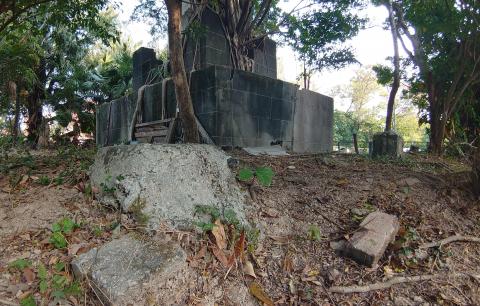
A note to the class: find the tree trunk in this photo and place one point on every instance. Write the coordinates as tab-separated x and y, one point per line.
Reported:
182	90
15	101
34	105
396	72
355	143
438	125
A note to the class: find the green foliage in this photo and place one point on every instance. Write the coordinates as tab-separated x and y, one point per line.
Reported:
20	264
44	180
245	174
264	175
65	225
314	233
28	301
58	240
208	210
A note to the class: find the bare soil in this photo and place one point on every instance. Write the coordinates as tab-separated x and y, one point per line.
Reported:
308	206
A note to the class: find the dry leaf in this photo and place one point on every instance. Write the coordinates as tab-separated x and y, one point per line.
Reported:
219	233
220	256
74	248
238	250
342	182
248	269
257	291
29	275
287	263
280	239
53	260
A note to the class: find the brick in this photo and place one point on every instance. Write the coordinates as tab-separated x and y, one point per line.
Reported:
368	244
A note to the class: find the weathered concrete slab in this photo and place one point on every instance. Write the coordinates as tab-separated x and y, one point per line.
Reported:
123	270
164	183
367	245
270	151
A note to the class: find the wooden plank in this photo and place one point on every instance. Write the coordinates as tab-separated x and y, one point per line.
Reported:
149	129
154	122
160	133
171	129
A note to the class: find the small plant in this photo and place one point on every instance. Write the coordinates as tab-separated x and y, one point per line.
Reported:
58	180
20	264
264	175
44	180
107	185
64	226
314	233
253	235
28	301
137	210
59	284
97	231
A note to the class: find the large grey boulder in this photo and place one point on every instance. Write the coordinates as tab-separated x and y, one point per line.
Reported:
164	183
369	243
125	270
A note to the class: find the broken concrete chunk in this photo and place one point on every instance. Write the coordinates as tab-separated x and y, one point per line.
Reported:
369	243
120	269
162	184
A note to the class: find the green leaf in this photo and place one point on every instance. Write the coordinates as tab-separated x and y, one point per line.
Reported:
56	227
74	289
58	240
264	176
28	301
20	264
42	272
43	286
245	174
59	281
59	266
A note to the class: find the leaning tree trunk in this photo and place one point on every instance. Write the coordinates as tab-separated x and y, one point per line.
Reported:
182	90
396	72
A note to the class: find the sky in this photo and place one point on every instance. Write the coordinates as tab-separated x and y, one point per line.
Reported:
372	46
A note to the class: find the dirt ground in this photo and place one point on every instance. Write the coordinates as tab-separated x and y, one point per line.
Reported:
314	200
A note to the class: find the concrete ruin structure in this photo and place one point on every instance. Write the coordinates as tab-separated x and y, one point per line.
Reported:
236	108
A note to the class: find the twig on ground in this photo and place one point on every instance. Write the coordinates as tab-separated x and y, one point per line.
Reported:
384	285
450	239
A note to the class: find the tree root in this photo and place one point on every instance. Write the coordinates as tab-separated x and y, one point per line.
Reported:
384	285
449	240
395	281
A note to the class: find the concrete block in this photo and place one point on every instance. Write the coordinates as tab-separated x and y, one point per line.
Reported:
387	144
121	270
369	243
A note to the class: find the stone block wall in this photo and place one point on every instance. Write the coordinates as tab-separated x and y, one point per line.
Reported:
237	109
212	48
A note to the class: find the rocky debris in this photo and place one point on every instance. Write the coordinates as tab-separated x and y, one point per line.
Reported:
361	212
368	244
125	270
164	183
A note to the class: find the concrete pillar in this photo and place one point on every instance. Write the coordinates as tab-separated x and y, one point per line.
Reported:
387	144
